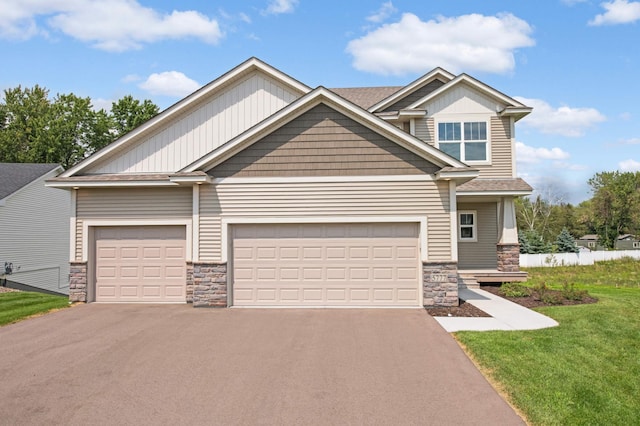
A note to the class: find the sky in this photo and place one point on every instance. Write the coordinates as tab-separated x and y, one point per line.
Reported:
574	61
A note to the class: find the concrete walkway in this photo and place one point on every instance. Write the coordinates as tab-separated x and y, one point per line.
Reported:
505	315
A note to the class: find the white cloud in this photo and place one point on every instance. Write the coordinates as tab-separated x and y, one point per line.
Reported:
564	120
244	17
387	9
100	103
116	25
170	83
528	154
131	78
617	12
468	42
629	165
631	141
277	7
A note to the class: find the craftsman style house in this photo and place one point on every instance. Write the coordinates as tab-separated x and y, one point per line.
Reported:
257	190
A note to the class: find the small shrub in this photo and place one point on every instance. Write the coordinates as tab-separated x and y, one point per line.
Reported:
551	298
540	290
515	290
570	292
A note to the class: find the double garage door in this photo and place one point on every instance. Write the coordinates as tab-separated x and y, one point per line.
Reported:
374	264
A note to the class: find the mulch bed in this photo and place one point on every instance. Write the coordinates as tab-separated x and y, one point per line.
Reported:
533	302
468	310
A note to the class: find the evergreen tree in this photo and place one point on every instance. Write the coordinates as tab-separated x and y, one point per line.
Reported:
566	243
531	242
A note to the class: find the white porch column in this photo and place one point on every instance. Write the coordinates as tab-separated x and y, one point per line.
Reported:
195	229
507	218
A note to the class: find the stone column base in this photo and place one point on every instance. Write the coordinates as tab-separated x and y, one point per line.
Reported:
440	284
209	284
78	281
508	257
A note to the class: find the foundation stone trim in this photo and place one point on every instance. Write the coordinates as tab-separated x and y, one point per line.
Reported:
78	281
440	283
209	284
508	257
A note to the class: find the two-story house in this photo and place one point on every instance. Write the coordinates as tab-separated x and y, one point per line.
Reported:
257	190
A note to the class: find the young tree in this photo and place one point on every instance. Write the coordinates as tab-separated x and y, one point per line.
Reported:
531	242
566	243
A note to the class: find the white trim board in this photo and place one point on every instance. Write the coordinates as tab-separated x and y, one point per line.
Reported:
226	221
88	223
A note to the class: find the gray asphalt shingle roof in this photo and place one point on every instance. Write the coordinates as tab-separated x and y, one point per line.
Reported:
14	176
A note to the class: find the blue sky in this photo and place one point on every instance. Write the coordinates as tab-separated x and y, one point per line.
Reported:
574	61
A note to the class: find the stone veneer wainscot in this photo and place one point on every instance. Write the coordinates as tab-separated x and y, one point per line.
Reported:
78	281
440	284
508	257
209	284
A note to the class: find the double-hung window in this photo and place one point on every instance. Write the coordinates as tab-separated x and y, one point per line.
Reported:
465	140
467	226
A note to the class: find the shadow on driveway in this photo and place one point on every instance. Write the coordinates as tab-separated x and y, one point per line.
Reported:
173	364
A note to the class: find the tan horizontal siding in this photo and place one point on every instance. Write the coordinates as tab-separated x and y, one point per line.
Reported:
281	200
425	130
481	254
323	142
415	96
131	203
501	155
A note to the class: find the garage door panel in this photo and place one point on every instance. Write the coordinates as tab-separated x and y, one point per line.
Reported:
326	265
140	264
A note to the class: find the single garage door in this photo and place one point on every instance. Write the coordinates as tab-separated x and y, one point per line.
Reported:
140	264
375	264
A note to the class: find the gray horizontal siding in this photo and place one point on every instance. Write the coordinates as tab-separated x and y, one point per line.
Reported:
323	142
501	150
481	254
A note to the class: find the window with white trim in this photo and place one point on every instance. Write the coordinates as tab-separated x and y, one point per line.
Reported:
636	245
468	226
465	140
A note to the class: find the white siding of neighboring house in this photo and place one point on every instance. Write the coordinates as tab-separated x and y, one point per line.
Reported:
34	235
203	128
279	201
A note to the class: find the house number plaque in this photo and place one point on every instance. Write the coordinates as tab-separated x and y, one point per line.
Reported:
439	278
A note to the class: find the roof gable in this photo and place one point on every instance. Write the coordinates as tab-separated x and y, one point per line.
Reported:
485	90
437	74
304	104
253	86
323	142
15	176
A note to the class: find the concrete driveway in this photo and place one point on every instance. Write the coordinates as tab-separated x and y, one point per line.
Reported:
172	364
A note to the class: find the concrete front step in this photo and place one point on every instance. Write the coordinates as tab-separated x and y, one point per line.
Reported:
467	281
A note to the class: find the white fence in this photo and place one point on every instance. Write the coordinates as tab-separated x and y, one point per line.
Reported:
582	258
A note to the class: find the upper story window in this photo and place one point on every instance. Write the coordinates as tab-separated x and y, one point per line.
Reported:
466	141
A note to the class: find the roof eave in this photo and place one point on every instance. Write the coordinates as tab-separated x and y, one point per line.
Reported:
494	193
458	176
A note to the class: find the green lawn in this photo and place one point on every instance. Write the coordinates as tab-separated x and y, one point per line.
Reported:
587	370
19	305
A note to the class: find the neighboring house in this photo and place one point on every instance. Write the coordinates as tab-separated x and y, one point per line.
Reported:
257	190
623	242
34	228
627	242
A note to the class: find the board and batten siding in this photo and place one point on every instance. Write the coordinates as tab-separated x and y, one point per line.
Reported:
481	254
130	203
34	224
323	142
204	128
501	147
277	201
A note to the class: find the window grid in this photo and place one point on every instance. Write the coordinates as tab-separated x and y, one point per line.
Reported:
466	141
